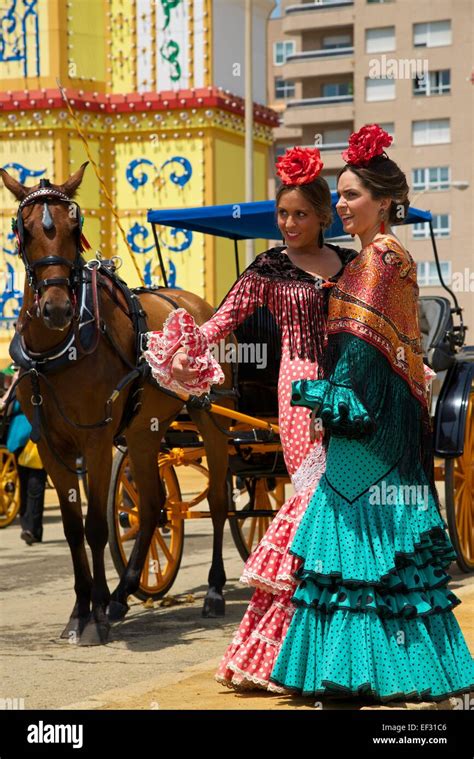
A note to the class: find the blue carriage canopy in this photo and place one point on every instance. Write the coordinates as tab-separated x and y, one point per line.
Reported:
243	221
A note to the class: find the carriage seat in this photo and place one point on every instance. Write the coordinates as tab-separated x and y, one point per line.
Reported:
258	387
435	322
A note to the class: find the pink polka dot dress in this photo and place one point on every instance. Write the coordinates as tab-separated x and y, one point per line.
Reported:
297	302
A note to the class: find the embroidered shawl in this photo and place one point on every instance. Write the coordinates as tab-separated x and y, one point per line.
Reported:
376	299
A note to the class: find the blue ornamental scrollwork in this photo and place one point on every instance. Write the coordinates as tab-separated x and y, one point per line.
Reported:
11	251
172	275
141	179
10	293
19	32
138	230
137	180
183	178
147	273
184	245
23	172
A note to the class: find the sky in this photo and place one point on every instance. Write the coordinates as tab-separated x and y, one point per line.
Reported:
277	12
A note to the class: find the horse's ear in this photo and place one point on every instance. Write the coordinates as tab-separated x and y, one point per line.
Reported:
15	187
71	185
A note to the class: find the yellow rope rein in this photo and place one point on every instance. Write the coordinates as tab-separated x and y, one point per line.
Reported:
214	408
101	181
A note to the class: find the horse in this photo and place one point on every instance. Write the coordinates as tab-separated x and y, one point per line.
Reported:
64	406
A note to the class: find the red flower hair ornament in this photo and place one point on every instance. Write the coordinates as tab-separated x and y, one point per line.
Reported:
365	144
299	166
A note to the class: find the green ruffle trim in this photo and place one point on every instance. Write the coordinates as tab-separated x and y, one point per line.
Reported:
351	655
373	610
409	591
337	405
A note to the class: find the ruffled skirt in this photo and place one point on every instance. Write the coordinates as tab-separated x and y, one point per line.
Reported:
373	613
271	569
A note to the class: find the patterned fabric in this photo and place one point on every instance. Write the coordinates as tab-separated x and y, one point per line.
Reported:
272	284
377	301
373	611
288	292
181	331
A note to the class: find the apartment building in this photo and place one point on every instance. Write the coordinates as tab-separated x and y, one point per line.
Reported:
336	65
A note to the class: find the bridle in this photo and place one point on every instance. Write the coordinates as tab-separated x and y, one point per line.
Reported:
44	193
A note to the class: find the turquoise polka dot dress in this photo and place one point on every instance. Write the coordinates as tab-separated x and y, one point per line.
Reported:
373	610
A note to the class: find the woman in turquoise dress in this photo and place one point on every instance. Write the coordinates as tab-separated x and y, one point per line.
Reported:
373	611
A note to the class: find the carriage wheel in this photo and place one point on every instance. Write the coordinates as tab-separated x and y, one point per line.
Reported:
166	548
257	494
459	490
9	488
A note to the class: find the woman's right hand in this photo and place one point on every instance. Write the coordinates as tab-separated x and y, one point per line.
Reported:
181	370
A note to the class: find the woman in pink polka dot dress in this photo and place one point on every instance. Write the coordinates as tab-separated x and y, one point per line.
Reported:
293	282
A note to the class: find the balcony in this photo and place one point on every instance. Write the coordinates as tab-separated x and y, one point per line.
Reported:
298	18
319	63
331	153
322	110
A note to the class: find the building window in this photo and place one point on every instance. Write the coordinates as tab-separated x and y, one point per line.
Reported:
281	150
389	127
331	179
283	88
432	34
432	132
431	178
336	136
335	41
441	227
427	273
436	83
380	40
337	89
281	51
379	89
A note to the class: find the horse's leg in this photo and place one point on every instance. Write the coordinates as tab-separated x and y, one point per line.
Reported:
67	488
217	459
143	448
99	466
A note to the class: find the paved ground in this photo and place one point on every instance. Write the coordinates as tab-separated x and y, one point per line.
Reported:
159	658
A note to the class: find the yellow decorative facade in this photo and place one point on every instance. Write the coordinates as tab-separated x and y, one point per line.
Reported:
143	81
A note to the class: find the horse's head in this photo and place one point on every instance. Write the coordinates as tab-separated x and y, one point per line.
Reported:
48	230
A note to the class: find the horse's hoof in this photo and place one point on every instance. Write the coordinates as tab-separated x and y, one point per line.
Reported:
94	634
214	606
116	611
73	629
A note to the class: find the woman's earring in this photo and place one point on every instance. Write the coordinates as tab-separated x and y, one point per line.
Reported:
321	238
382	224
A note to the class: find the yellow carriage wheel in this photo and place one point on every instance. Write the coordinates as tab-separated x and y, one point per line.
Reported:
164	555
261	494
459	489
9	487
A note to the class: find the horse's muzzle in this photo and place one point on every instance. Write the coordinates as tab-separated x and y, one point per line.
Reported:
57	316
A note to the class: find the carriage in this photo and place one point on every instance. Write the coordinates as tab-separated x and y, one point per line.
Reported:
257	474
9	479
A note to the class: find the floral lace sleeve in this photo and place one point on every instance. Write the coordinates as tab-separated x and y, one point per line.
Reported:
181	333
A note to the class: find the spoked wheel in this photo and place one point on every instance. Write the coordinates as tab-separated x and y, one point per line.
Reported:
9	487
249	497
459	489
166	548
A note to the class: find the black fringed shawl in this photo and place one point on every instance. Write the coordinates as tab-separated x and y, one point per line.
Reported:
273	280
